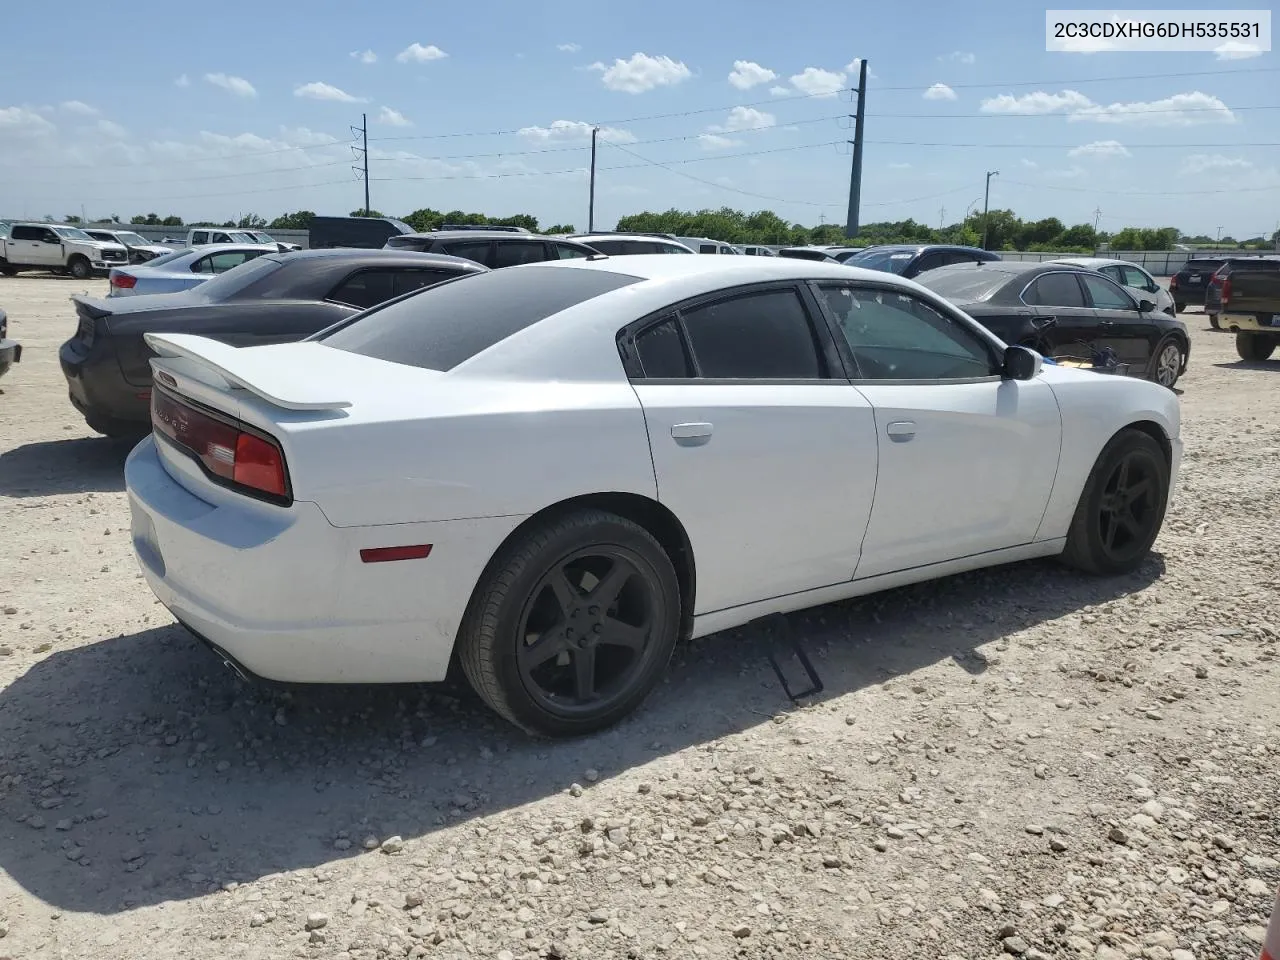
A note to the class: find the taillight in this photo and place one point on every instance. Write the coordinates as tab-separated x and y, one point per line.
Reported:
1173	282
231	453
124	281
1226	291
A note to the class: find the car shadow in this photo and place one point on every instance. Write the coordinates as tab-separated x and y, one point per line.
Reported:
1249	364
166	776
64	466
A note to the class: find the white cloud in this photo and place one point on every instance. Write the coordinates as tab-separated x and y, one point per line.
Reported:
939	91
714	141
959	56
744	118
182	81
780	91
1209	162
109	128
237	85
417	53
642	72
318	90
1029	164
1039	102
570	130
77	106
747	74
1235	50
364	56
568	47
817	82
1180	110
23	122
1100	148
392	118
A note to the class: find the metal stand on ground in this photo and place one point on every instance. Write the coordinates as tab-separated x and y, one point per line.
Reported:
780	633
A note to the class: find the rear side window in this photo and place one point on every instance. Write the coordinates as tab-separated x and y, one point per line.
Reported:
26	233
446	325
477	250
408	243
662	353
1055	290
364	289
764	335
511	253
566	252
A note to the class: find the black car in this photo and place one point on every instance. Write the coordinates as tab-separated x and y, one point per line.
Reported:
367	233
10	350
908	260
1066	312
1213	289
808	253
1189	284
493	248
273	299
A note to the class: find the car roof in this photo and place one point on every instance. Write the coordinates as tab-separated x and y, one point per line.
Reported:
1091	261
605	235
475	235
360	255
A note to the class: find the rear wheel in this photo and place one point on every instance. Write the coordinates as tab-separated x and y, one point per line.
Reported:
118	429
1121	508
572	624
1179	308
6	269
1213	321
80	268
1166	364
1255	347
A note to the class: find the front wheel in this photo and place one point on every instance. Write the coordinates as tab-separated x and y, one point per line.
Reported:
1255	347
1121	508
80	268
1166	365
572	624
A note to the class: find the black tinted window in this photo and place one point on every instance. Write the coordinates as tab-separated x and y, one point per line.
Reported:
441	327
757	336
662	352
477	250
511	253
1106	295
408	243
1055	290
25	233
406	280
365	288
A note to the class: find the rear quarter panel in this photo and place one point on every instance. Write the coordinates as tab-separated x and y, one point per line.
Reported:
1254	291
1094	408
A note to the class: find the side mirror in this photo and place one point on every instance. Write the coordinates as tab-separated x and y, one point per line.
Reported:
1020	363
1146	306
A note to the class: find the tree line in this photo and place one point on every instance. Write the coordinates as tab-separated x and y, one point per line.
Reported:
1004	230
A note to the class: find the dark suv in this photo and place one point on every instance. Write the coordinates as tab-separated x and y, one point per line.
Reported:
1213	289
493	248
909	260
1188	285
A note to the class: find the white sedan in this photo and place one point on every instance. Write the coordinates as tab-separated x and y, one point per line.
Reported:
1140	283
553	473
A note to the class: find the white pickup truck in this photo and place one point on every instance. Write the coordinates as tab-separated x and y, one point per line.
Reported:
59	248
200	236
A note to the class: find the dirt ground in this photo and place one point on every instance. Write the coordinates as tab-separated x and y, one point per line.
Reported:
1019	762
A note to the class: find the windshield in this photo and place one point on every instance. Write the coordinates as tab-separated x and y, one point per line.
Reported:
890	261
262	237
225	286
166	257
71	233
965	283
241	237
131	239
448	324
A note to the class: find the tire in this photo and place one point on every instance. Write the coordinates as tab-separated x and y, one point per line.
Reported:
1179	308
6	269
118	429
1255	347
1213	321
1094	542
1166	362
80	268
538	687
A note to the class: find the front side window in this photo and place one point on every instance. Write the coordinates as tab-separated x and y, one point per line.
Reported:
1055	290
896	336
200	236
1134	277
220	262
763	335
566	252
1106	295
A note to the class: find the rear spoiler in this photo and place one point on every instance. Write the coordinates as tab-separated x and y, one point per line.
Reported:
282	380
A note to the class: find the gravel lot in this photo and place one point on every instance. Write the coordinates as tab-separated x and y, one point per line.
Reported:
1017	762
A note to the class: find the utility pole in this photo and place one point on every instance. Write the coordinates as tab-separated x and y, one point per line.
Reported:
362	153
855	173
942	217
1097	215
591	202
986	203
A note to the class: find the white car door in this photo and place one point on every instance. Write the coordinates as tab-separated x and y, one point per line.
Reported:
45	246
967	459
761	447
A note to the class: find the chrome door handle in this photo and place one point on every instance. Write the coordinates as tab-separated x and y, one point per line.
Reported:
691	434
901	430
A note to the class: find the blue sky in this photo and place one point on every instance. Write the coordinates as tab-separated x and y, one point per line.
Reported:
240	107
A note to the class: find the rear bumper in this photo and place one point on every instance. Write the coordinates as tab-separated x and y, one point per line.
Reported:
10	353
1250	322
283	594
96	387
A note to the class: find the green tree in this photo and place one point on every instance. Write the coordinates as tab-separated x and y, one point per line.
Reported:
362	213
171	221
251	222
71	218
301	220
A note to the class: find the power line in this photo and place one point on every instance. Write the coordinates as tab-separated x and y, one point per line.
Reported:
1180	75
1135	193
1217	145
